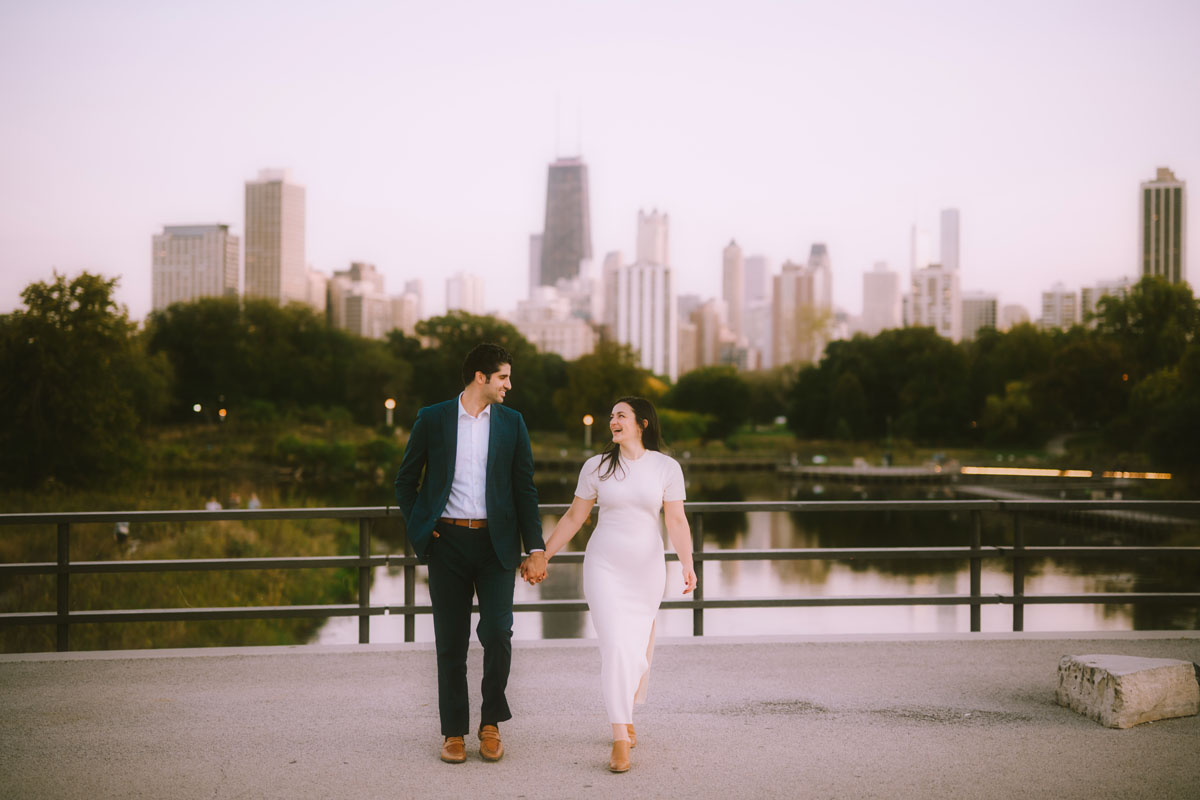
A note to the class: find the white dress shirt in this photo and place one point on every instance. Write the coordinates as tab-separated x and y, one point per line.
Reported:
468	492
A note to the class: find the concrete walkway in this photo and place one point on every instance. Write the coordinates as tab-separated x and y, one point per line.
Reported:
968	716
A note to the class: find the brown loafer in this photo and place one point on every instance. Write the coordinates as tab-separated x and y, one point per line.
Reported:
490	747
453	750
619	761
632	735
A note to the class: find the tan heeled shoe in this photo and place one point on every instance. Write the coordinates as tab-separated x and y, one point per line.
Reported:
632	735
619	762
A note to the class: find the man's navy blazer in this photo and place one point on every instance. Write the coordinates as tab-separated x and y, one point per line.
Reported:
512	501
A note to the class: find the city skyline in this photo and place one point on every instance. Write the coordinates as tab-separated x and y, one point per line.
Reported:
774	127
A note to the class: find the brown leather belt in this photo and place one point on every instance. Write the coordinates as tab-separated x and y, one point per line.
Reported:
464	523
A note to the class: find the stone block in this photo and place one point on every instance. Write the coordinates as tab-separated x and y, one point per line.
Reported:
1123	691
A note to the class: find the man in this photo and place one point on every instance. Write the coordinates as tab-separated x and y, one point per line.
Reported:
468	520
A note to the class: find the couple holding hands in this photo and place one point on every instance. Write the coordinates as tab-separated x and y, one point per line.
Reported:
475	510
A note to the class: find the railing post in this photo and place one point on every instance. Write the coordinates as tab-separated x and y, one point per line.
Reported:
698	592
64	587
976	568
364	580
410	593
1018	574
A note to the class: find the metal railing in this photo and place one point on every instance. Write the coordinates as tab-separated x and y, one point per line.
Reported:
974	552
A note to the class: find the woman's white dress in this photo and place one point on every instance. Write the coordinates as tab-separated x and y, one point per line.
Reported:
624	570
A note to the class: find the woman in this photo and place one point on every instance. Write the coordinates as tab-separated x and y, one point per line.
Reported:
624	569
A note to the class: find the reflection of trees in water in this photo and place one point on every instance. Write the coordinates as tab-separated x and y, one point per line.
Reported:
723	529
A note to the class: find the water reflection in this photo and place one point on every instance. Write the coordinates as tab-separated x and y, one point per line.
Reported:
766	530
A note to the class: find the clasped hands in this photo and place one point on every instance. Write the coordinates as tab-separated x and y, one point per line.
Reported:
533	568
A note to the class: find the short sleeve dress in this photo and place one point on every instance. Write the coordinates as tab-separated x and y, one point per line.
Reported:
624	569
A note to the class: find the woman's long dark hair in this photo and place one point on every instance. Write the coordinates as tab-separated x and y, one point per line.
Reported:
647	421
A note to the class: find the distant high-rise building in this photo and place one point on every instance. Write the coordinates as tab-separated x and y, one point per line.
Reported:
881	300
1162	235
733	288
793	316
275	265
711	333
950	233
567	237
1060	308
919	249
653	238
406	313
936	301
318	291
647	314
1011	315
612	265
193	261
357	302
1089	297
416	287
548	321
535	262
978	312
464	292
822	275
757	271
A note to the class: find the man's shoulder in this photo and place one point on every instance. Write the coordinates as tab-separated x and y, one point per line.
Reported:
438	408
507	414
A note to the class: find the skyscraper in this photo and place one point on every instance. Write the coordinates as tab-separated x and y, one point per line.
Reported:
193	261
464	292
567	237
646	316
535	262
881	299
1162	235
793	316
937	301
653	237
950	232
1060	308
733	288
979	311
646	311
822	274
275	264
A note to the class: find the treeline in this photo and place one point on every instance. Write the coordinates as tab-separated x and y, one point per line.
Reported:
1129	382
82	383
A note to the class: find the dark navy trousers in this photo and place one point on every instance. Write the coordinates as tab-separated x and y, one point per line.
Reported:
463	564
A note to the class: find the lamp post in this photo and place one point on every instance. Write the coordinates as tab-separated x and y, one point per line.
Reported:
587	432
390	405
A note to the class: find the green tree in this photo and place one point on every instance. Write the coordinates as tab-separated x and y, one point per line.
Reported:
77	385
595	381
1153	325
437	369
718	392
769	391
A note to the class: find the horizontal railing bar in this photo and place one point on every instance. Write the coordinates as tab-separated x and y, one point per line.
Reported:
338	610
1115	550
781	554
197	565
382	512
195	614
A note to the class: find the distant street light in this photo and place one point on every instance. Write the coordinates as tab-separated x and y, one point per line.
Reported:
587	431
197	408
390	405
221	413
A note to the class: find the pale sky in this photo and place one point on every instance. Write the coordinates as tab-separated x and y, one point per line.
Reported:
422	131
